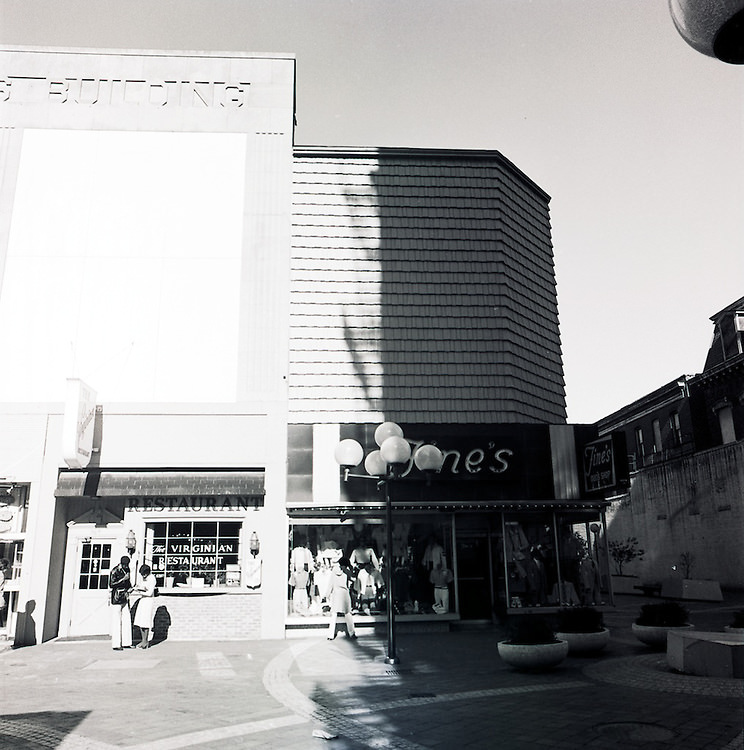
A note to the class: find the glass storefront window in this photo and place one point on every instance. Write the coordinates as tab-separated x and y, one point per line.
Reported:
421	558
193	553
549	562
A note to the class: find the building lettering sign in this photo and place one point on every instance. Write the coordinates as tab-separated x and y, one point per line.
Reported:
481	462
193	503
147	91
206	553
599	465
486	461
72	90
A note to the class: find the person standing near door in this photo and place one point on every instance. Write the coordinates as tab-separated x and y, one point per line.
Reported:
5	574
121	616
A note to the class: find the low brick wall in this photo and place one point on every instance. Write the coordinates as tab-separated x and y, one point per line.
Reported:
218	616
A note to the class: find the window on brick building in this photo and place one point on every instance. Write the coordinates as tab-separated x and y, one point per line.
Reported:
656	426
640	448
194	552
676	429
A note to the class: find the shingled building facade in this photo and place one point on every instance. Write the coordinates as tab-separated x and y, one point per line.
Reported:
423	290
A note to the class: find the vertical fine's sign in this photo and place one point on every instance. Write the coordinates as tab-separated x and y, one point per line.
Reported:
77	427
599	465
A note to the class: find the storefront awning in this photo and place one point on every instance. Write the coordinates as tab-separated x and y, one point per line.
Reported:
125	484
377	509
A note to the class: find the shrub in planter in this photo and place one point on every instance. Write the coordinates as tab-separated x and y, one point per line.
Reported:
532	644
737	622
530	629
583	628
580	620
655	620
663	614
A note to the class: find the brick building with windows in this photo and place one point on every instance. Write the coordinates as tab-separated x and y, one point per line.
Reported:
686	457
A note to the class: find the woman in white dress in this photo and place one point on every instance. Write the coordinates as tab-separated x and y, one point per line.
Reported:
145	615
339	596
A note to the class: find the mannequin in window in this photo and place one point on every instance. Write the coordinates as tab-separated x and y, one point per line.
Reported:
536	580
368	582
433	554
299	580
364	564
589	581
301	558
441	579
570	554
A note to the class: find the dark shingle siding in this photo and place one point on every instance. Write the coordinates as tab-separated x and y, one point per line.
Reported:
436	275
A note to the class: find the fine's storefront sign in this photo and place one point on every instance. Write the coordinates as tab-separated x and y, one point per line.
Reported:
601	459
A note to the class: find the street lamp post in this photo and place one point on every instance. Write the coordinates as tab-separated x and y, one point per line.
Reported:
385	465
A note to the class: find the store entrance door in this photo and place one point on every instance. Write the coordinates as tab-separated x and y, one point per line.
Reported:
474	576
85	608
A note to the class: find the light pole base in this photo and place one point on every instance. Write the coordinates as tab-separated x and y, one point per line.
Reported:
392	660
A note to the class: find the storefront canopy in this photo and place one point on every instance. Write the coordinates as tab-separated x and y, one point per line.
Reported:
127	483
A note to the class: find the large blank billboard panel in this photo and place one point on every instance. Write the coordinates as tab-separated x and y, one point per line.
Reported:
123	266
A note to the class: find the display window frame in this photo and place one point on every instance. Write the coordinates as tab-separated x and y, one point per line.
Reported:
422	544
198	573
553	559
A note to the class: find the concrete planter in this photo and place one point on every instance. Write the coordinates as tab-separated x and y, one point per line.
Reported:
655	635
706	654
585	643
533	656
624	584
691	588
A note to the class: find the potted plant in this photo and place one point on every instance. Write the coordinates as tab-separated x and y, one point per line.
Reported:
737	623
532	644
583	628
682	585
622	552
656	620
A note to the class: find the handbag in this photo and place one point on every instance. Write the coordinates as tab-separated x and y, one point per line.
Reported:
119	596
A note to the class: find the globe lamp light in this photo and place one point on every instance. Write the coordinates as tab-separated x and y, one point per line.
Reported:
428	458
349	453
375	464
386	430
396	450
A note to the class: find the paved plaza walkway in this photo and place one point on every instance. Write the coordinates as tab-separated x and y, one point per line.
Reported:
450	691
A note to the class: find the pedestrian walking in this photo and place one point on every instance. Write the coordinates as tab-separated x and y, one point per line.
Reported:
144	616
121	615
340	598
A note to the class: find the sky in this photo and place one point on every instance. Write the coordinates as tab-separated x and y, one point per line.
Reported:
637	138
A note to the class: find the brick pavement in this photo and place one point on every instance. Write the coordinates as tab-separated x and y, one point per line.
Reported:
450	691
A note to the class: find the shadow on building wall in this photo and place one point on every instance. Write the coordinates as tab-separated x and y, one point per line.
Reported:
468	326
